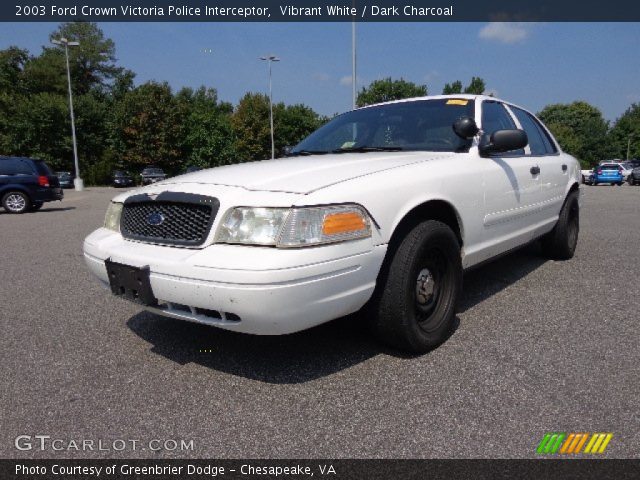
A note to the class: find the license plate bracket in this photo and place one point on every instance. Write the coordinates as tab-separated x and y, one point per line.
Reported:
131	283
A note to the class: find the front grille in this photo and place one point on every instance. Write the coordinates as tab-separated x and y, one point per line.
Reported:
170	218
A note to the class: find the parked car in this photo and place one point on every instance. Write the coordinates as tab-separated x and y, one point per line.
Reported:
65	179
585	174
380	209
607	173
152	175
122	179
634	177
26	184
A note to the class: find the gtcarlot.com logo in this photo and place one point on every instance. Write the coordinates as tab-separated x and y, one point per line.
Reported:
46	442
574	443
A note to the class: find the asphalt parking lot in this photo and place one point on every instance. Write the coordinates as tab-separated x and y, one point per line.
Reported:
541	346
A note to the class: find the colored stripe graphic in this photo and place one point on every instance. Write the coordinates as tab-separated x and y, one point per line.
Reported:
572	443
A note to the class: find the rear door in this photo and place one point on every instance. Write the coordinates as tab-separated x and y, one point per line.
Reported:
512	189
542	152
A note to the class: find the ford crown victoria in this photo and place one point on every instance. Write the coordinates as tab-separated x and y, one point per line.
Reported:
380	210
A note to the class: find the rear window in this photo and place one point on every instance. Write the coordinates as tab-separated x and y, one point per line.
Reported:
609	167
15	166
42	168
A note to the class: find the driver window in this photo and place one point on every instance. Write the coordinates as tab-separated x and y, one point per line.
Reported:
495	117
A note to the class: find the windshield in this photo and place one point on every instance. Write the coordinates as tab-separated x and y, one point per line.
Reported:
416	125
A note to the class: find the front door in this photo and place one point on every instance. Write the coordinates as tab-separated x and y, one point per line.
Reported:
511	188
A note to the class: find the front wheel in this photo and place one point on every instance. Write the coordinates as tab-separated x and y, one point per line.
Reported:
560	243
16	202
418	288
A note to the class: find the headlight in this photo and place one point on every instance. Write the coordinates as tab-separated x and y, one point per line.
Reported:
295	227
112	217
256	226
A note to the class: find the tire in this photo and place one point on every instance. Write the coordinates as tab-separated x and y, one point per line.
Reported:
413	308
36	206
16	202
560	243
619	184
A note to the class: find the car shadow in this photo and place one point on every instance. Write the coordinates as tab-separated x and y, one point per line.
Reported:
43	209
313	353
55	209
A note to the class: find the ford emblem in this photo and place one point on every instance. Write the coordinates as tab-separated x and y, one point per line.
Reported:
155	219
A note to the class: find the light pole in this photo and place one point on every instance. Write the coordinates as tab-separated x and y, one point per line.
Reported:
77	181
270	59
353	60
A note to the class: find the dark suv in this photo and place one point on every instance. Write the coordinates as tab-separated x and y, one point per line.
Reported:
152	175
26	183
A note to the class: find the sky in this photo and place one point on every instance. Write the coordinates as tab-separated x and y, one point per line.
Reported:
526	63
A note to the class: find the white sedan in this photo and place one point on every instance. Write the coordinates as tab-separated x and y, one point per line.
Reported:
370	211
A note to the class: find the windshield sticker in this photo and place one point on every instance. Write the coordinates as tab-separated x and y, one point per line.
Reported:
457	101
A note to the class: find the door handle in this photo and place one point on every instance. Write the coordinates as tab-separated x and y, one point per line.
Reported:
535	170
564	167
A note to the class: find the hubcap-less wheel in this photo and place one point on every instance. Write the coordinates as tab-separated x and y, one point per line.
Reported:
15	202
428	287
425	287
414	303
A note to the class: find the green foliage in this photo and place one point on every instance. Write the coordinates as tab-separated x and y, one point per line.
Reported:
250	123
123	126
147	127
476	87
93	61
293	123
580	129
624	137
386	90
452	88
207	135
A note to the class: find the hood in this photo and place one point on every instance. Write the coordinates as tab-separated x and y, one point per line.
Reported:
304	174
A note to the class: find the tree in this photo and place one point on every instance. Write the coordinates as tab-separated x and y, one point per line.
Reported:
625	134
12	62
580	129
93	61
452	88
147	127
387	89
293	123
476	87
207	135
250	122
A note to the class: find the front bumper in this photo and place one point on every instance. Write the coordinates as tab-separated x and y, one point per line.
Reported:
258	290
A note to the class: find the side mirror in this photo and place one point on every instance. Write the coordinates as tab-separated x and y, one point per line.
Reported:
465	127
503	141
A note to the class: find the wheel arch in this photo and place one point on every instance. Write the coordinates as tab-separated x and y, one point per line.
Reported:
433	209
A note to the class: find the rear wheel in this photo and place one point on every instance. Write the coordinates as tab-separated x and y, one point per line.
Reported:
560	243
16	202
414	305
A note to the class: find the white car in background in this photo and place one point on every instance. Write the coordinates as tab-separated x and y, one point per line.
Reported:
382	208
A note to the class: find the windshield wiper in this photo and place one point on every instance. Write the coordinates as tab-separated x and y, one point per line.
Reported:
307	152
368	149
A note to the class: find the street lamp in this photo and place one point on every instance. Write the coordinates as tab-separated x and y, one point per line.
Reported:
77	181
353	59
270	59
